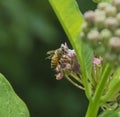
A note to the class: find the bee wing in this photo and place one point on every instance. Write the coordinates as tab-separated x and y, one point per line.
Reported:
50	53
49	57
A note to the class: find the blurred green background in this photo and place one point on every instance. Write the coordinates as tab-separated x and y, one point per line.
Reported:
28	29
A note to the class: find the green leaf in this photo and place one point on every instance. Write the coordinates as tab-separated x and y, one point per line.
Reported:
85	57
10	104
71	19
110	114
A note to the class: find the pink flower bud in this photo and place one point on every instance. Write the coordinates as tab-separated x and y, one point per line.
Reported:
97	61
59	76
68	67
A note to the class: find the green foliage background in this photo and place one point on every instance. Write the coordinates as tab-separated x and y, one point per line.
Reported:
28	29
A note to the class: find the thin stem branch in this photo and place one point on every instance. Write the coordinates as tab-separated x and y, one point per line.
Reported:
76	78
75	84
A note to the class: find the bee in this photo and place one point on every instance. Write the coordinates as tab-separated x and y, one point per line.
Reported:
55	56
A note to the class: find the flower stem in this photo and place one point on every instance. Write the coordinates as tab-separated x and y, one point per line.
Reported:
75	84
94	103
76	78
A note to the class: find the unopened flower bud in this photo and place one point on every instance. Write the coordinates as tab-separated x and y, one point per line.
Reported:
93	35
115	43
68	67
117	32
100	21
111	11
59	76
116	3
111	23
76	67
99	13
71	53
89	16
105	34
103	5
97	61
118	17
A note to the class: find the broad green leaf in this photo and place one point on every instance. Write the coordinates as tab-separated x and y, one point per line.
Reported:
110	114
10	104
86	58
71	19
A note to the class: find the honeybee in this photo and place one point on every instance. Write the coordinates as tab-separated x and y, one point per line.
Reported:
55	56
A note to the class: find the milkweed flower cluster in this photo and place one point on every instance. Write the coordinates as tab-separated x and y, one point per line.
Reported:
101	30
64	62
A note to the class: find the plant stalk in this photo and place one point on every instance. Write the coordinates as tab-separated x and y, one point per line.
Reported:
94	103
92	109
